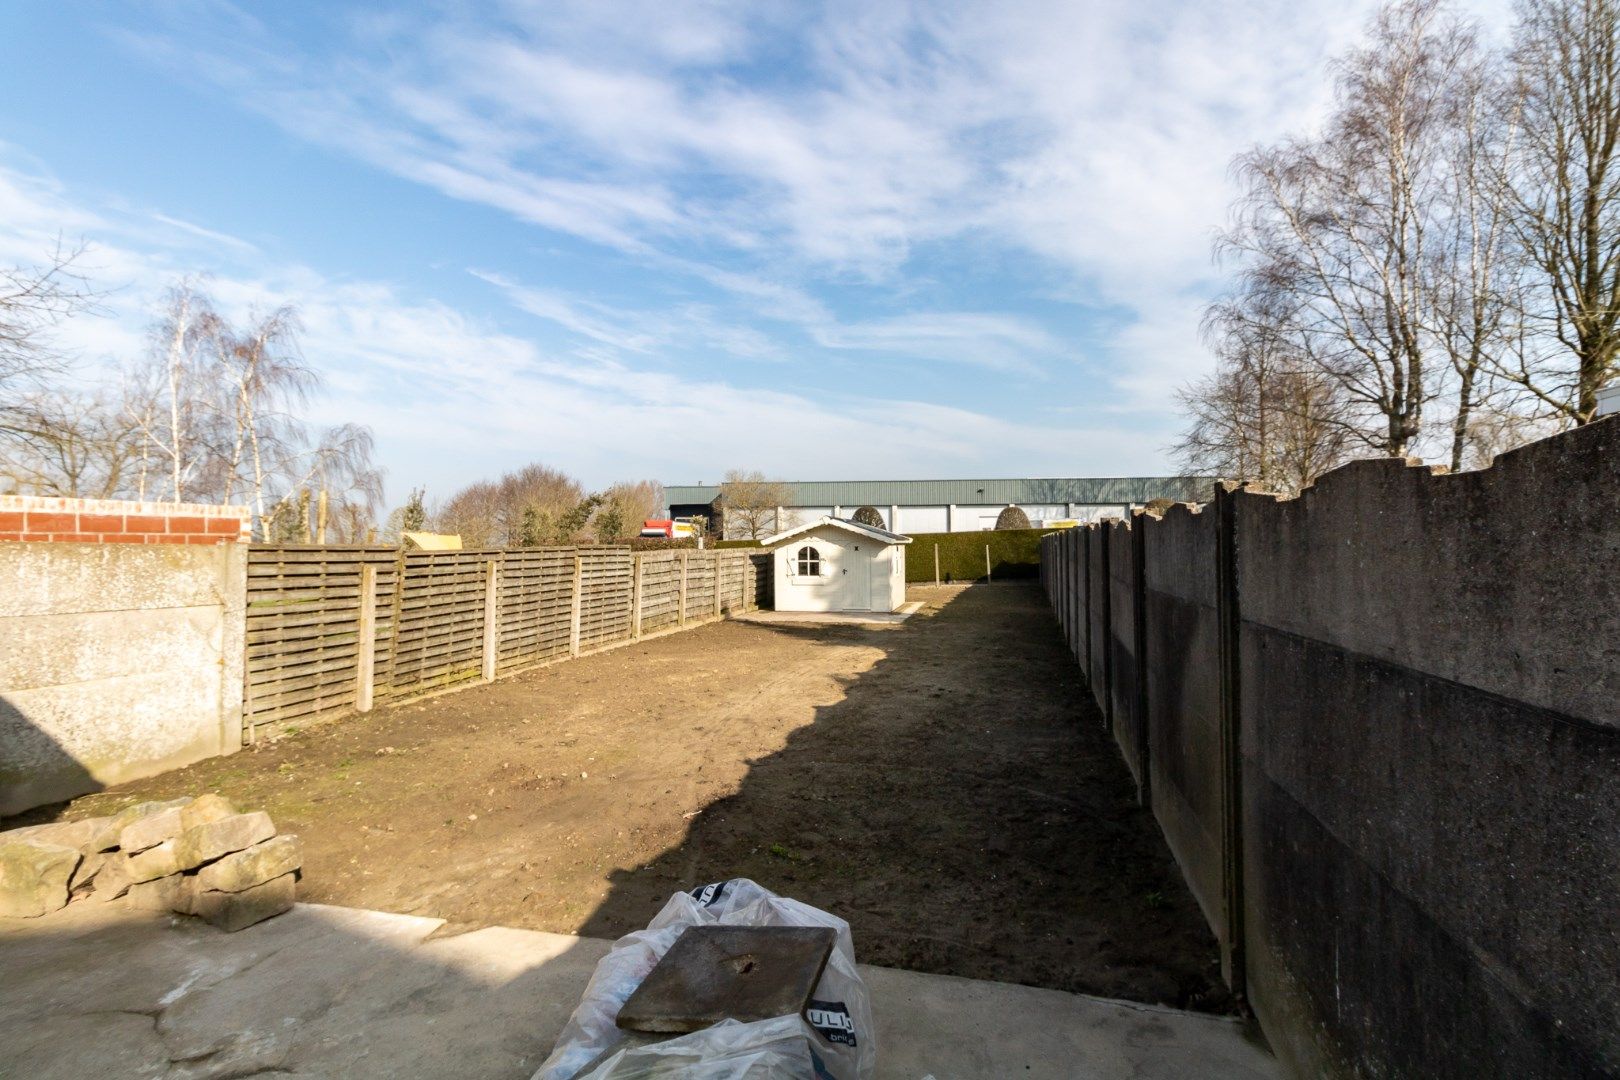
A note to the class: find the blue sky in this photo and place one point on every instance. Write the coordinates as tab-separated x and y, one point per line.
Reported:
631	240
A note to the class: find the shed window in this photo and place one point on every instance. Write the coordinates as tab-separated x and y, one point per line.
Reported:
809	562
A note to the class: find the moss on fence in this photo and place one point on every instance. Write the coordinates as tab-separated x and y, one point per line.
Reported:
1014	553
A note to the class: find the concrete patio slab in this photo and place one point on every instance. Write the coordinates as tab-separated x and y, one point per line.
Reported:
99	990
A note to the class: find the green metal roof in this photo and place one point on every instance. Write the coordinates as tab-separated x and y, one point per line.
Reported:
1091	490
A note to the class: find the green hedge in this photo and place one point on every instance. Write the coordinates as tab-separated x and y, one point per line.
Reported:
736	543
1014	553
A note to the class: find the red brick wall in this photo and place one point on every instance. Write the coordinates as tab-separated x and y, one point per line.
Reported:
110	521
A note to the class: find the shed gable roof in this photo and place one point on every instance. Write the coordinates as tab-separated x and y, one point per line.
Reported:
882	535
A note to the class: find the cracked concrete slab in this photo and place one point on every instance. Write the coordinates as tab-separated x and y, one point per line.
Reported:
103	990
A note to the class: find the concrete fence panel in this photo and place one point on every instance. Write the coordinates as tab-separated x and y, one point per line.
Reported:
1431	765
1183	687
1123	686
1097	615
1383	742
117	661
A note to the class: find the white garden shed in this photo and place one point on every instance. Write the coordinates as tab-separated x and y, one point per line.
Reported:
831	564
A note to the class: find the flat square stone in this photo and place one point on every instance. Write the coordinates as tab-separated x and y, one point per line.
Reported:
746	973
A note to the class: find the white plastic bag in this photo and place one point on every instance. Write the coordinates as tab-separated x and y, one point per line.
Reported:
837	1026
776	1049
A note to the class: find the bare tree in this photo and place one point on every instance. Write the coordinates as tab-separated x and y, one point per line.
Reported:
1476	277
1564	184
178	380
625	506
69	444
1268	415
526	507
1343	222
267	380
749	502
33	300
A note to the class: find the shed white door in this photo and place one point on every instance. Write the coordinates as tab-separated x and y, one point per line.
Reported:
855	578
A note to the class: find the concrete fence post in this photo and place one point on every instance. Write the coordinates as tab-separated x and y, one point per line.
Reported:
1229	616
365	664
492	617
1139	692
716	582
574	606
635	597
681	609
1086	540
1105	581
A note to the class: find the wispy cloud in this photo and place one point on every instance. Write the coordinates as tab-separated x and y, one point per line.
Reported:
837	142
453	397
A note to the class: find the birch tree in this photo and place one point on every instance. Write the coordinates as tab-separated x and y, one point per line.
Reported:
1267	415
1563	179
1344	222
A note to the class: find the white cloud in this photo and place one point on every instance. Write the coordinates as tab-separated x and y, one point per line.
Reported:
452	397
985	340
833	143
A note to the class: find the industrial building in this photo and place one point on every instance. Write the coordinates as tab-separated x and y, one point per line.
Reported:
931	506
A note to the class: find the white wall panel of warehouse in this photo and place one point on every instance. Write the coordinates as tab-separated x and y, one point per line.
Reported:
925	506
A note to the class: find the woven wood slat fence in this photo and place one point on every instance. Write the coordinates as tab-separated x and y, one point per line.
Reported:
333	629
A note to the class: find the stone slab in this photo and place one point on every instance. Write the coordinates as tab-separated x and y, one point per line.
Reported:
85	874
34	877
113	828
154	862
80	835
233	911
151	829
158	894
252	866
204	843
744	973
204	809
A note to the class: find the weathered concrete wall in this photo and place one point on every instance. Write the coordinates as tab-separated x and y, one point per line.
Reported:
116	661
1183	697
1097	631
1384	744
1123	687
1431	765
1077	600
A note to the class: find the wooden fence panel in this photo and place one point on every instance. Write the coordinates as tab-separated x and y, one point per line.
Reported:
441	618
536	594
304	614
700	585
660	591
604	613
303	626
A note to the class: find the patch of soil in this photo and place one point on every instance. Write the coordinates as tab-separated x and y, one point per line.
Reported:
945	785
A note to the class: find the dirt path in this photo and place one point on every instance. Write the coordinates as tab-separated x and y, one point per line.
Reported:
944	785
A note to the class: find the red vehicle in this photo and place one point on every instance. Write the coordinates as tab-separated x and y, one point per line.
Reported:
669	528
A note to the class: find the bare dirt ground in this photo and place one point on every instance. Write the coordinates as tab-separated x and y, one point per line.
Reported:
945	785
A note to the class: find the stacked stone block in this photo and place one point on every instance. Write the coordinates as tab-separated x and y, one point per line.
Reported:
194	856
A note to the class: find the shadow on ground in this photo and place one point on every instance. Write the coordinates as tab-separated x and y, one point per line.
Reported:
945	785
962	823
